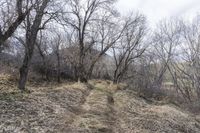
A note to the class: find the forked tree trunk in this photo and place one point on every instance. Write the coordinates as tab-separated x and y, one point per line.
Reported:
82	76
116	80
14	25
23	77
31	36
24	70
90	71
116	76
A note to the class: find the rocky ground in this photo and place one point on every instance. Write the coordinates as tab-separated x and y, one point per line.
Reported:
97	107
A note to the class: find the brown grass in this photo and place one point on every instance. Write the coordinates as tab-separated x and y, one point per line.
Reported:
98	106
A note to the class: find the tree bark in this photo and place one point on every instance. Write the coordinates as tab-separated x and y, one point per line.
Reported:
11	29
26	63
24	71
82	76
31	36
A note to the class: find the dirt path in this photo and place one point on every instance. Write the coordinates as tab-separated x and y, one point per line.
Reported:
98	114
98	107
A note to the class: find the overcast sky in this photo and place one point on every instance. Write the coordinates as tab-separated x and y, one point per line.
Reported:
156	10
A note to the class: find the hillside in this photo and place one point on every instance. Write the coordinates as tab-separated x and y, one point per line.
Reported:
95	107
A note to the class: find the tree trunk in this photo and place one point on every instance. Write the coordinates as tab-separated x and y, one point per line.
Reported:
24	70
13	26
27	60
89	74
58	68
115	79
23	77
31	36
82	76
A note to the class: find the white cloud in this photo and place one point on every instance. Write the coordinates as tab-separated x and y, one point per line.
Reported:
155	10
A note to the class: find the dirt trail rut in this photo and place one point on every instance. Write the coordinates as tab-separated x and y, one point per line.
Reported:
97	107
98	114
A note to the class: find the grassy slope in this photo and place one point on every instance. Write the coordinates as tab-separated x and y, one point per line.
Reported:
96	107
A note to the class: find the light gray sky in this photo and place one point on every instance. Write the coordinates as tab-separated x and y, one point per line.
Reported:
156	10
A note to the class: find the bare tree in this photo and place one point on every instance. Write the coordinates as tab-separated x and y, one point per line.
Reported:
56	46
130	46
105	33
32	28
191	35
166	41
186	67
80	16
43	46
11	19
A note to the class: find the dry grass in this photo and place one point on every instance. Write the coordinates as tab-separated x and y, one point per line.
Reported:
137	115
49	108
96	107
